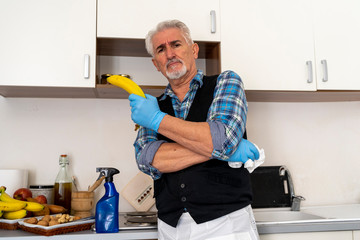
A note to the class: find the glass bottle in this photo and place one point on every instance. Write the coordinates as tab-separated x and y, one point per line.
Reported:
63	184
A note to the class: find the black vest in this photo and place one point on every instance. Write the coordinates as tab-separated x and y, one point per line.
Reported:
208	190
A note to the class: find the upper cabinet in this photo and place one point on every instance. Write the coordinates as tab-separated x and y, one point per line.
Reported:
292	45
133	19
47	44
337	48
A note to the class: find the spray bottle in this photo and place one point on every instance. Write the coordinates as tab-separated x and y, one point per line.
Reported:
107	208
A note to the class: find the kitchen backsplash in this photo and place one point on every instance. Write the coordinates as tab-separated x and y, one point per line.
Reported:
318	142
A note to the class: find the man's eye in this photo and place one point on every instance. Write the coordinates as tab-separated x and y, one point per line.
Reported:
160	50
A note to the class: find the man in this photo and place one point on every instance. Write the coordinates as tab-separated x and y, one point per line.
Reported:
188	136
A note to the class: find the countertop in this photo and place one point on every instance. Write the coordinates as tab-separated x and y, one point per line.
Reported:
333	218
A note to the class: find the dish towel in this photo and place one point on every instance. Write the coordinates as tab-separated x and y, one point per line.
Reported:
250	165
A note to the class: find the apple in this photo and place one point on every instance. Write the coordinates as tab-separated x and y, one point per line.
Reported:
41	199
22	194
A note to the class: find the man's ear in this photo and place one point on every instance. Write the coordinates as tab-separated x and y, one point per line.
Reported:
195	50
155	64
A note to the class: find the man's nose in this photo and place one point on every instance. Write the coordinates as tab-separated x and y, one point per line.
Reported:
170	53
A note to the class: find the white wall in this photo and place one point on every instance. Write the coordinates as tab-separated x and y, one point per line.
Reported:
318	142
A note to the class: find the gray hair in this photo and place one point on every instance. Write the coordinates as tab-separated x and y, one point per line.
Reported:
163	26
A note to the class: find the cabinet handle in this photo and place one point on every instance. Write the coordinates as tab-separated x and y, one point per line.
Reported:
213	21
310	71
86	66
325	70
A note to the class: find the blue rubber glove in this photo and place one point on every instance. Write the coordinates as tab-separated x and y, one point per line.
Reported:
245	151
146	111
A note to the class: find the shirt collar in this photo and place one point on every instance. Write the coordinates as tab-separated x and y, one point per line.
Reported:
198	78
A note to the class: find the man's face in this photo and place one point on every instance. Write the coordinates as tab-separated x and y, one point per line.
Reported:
173	56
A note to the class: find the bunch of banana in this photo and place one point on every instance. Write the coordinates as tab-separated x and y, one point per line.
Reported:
15	209
128	85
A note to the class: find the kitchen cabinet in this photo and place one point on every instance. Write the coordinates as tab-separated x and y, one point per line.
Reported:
356	235
337	38
336	235
289	45
133	19
47	44
121	32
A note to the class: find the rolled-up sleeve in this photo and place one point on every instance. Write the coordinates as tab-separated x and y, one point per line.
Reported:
146	145
227	115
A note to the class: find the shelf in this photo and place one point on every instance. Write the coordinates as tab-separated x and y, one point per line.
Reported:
302	96
210	51
107	91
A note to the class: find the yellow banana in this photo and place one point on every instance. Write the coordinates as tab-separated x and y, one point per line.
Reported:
15	214
11	206
127	84
30	206
1	213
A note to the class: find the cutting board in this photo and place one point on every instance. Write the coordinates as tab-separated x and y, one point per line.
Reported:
139	192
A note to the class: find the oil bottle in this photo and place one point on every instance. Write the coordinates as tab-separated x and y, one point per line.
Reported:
107	208
63	184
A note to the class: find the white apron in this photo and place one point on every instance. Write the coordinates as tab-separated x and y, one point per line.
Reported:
238	225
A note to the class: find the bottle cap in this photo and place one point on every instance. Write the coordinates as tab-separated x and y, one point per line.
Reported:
63	159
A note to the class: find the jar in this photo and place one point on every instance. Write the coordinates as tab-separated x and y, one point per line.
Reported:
46	190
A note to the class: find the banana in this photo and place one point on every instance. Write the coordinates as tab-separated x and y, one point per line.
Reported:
15	214
30	206
11	206
127	84
1	213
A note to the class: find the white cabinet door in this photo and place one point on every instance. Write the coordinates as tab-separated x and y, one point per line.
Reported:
268	43
133	19
45	43
339	235
356	235
337	38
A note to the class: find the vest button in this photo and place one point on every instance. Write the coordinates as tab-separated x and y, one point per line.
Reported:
182	185
183	199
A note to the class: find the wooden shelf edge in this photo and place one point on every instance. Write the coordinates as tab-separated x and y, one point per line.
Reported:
103	91
302	96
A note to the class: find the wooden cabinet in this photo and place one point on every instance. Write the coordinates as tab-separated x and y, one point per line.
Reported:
335	235
47	44
279	45
133	19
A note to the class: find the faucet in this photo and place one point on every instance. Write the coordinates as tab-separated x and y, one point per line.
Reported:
295	199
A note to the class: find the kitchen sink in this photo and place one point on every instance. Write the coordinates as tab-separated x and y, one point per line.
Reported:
283	216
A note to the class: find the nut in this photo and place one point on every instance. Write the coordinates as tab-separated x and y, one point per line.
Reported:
31	220
46	218
43	223
53	222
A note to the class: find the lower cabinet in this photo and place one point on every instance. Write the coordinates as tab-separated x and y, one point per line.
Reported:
337	235
356	235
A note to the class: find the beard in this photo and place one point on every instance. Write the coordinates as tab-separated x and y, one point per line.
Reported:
176	74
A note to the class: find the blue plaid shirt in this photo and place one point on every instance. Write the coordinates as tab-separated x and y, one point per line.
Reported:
226	118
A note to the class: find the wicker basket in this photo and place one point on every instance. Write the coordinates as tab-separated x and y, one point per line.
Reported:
57	231
9	226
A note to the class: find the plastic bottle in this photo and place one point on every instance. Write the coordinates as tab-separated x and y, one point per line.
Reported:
63	184
107	208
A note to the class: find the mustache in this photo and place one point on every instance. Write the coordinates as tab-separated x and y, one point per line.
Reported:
174	61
